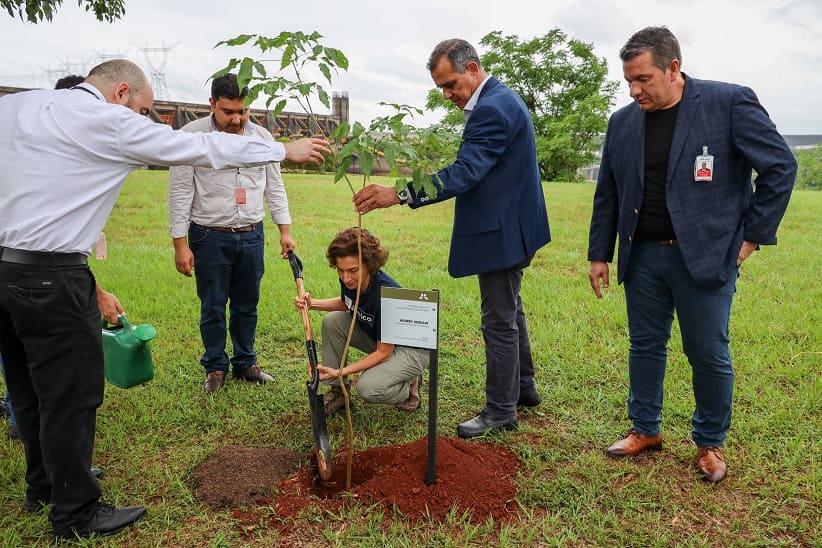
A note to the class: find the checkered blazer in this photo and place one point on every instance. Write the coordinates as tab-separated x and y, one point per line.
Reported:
710	219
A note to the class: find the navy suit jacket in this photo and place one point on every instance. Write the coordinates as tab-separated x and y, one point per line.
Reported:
710	219
500	218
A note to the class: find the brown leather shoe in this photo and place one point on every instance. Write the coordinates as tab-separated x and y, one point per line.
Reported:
334	399
634	444
214	381
711	463
414	400
254	374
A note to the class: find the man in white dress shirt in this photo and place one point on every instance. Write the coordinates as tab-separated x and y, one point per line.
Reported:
217	227
65	155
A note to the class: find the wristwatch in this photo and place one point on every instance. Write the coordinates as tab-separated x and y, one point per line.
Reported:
403	194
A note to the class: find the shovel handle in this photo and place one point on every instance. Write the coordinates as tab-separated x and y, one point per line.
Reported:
297	270
309	333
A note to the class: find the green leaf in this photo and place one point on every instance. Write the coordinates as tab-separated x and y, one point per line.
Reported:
288	55
366	162
391	152
339	58
349	148
278	108
281	39
326	72
238	41
341	131
244	74
222	72
323	95
253	93
345	164
429	187
260	68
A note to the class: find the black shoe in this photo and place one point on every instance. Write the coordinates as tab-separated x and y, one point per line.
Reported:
107	521
97	472
14	433
529	399
484	424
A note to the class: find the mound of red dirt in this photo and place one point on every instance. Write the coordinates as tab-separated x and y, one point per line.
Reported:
473	476
476	477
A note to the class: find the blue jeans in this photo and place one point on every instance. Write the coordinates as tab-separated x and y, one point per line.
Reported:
12	419
228	267
657	284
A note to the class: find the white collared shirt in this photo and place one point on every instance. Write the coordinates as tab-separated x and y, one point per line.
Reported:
208	196
472	102
64	155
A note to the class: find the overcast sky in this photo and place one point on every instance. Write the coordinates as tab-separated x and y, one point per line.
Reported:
775	47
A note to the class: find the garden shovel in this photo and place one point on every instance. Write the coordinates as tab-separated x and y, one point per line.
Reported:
315	400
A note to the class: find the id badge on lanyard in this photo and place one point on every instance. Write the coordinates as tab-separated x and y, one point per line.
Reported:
704	167
239	195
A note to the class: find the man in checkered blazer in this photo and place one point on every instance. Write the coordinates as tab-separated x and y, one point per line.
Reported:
683	231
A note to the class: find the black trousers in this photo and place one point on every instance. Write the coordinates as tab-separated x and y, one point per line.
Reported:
509	367
50	340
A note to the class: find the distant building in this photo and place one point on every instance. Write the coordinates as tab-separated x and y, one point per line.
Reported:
803	141
286	124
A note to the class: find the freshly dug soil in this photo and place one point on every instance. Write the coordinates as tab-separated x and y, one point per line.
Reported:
476	477
236	476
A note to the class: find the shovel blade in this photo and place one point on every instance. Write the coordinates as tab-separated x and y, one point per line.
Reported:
322	445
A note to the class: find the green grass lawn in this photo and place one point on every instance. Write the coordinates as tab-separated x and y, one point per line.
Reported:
150	438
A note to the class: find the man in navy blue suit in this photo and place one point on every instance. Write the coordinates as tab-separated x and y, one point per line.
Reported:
500	221
683	230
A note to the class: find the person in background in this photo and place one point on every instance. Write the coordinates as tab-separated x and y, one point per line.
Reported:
69	81
500	221
6	409
55	203
683	235
388	373
217	228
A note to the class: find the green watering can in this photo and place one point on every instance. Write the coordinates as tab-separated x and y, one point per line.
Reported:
126	354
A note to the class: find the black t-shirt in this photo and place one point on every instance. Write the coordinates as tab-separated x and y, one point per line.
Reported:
654	219
368	312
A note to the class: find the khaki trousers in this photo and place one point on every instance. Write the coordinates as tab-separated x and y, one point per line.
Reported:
387	382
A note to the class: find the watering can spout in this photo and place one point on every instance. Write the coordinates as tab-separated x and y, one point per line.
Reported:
143	332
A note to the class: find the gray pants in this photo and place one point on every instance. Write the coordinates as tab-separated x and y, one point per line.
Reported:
387	382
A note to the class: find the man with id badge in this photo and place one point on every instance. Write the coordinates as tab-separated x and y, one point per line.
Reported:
216	225
675	186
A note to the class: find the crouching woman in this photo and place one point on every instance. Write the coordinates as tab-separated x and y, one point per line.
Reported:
388	373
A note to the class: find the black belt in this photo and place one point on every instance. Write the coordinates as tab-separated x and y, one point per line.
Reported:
247	228
668	242
41	258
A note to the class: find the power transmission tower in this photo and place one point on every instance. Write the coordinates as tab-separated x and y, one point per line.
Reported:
157	59
68	67
102	56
